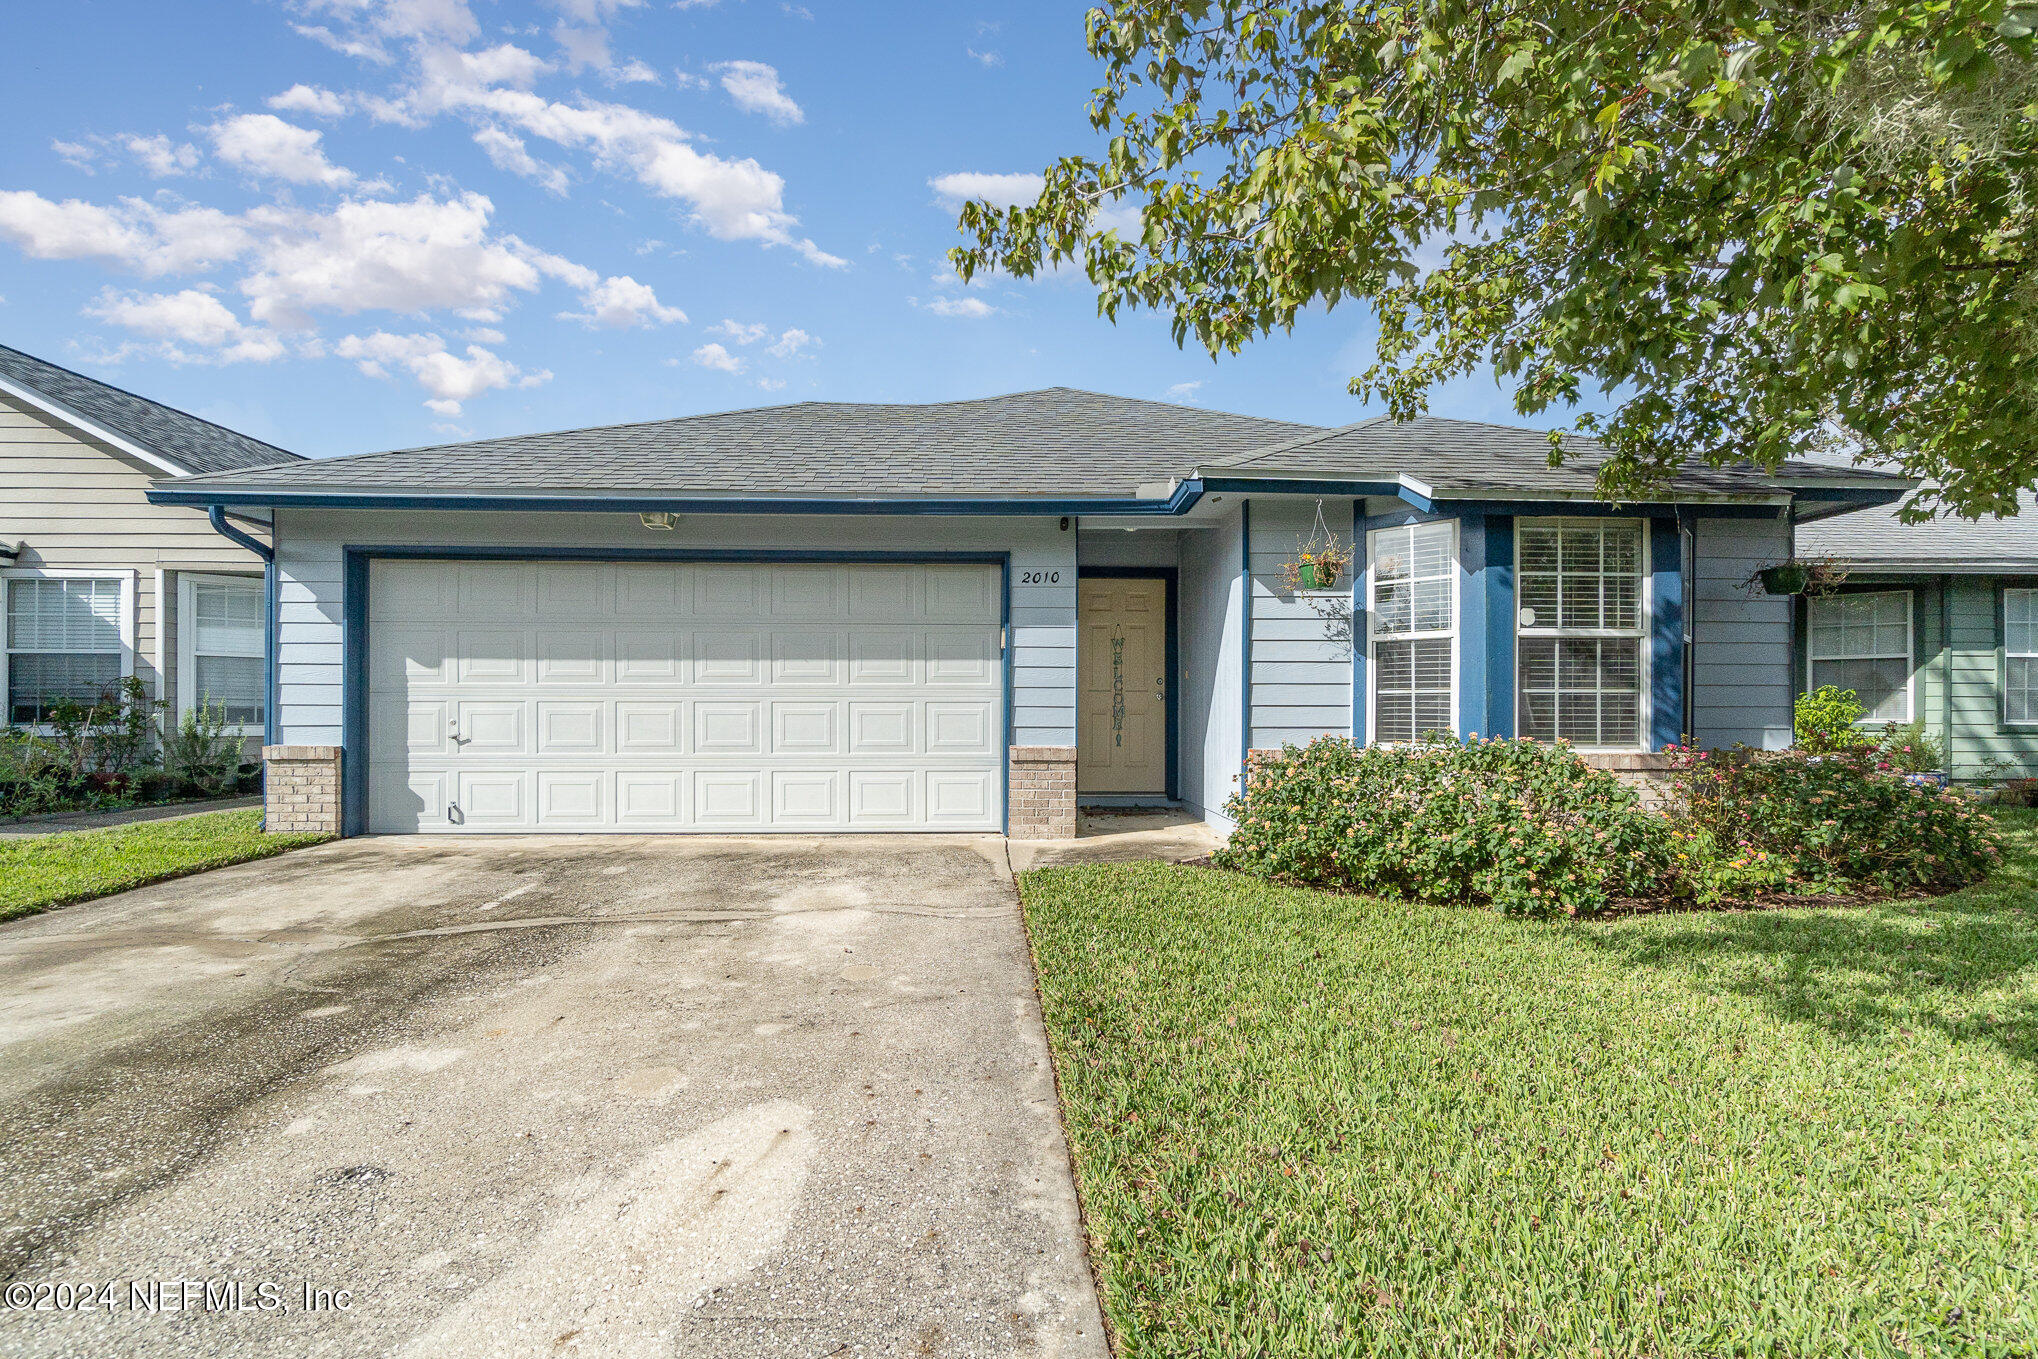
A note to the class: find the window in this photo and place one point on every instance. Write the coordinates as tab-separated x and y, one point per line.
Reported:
1411	617
2020	656
220	659
1579	656
65	640
1863	642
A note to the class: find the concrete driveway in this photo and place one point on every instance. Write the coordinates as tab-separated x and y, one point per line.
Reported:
540	1096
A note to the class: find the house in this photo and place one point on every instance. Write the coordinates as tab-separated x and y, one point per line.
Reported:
98	583
1935	623
969	615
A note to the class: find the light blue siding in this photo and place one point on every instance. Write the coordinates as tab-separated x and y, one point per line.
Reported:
1301	670
1741	682
1209	627
310	554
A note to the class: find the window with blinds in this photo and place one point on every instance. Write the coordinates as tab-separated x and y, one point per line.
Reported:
63	643
1580	633
1863	642
2020	657
226	657
1412	622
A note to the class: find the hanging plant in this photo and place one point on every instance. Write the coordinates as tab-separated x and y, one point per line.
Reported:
1799	576
1320	562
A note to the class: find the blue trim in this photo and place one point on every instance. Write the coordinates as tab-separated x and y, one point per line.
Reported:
354	632
1184	496
1474	580
1171	577
1359	622
1500	624
1011	692
1666	633
1245	648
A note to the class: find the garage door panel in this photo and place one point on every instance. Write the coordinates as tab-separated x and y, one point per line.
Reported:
882	728
572	799
713	696
807	657
577	656
647	727
728	728
727	657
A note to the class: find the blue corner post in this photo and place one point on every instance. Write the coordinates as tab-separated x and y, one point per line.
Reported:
1666	634
1359	621
1474	579
1500	620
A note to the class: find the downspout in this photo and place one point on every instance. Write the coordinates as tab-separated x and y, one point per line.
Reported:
1687	570
1946	673
216	516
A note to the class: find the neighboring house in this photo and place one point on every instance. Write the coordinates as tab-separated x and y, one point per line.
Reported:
969	615
1935	623
97	583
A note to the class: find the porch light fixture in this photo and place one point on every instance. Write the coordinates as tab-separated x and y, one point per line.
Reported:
663	520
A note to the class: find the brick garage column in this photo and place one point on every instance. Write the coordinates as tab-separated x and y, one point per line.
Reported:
1043	792
301	789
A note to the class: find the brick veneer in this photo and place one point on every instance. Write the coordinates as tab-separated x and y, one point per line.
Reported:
1043	793
1646	771
301	789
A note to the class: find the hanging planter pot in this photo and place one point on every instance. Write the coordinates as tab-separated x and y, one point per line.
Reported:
1791	578
1317	575
1319	562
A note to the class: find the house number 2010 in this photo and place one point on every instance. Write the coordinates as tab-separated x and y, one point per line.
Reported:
1040	577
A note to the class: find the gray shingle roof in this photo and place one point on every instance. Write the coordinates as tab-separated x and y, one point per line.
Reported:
193	444
1875	537
1468	457
1058	442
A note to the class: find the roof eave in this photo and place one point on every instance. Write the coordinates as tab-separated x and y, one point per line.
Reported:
50	406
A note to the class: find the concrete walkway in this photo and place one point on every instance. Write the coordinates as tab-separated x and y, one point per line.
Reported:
544	1096
125	816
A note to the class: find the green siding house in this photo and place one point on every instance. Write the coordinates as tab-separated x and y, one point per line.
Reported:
1935	622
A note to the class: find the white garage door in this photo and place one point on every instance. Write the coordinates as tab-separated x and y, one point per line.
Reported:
665	696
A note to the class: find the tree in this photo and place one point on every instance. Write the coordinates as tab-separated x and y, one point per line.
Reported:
1759	228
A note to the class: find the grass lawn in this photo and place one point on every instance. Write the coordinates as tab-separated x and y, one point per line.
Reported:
41	871
1313	1124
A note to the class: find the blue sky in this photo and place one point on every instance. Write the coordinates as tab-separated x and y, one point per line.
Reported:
344	225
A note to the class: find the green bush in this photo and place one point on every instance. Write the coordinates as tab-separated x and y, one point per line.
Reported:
1839	821
1910	749
1824	720
1515	824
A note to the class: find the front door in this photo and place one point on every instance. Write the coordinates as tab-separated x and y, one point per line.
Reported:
1121	659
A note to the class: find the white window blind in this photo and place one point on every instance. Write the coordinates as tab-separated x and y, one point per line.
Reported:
1580	632
226	648
1863	642
2020	656
63	642
1412	616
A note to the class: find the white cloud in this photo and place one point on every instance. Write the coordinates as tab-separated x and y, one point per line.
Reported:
632	72
160	157
450	379
1002	190
955	306
984	58
742	332
790	343
424	255
314	100
621	302
265	145
508	152
1184	391
717	357
756	89
484	335
582	48
188	317
768	384
593	11
78	155
136	234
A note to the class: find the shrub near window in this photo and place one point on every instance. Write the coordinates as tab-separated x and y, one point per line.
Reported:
1516	824
1837	820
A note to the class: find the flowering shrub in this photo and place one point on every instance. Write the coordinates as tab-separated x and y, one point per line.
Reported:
1519	825
1839	821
